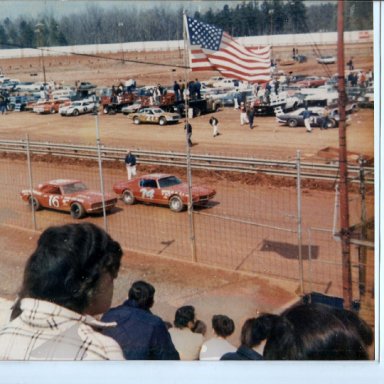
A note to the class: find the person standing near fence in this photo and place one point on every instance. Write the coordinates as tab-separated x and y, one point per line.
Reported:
243	114
307	120
325	121
130	163
188	129
215	125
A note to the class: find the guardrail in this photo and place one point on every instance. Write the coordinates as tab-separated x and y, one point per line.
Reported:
317	171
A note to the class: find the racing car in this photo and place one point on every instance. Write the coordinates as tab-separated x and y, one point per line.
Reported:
68	195
77	108
154	115
163	189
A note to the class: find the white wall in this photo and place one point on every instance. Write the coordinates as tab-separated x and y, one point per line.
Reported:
274	40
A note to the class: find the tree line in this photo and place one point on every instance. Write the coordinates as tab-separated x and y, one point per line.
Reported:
98	25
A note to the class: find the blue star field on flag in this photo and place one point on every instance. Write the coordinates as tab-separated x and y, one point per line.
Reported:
205	35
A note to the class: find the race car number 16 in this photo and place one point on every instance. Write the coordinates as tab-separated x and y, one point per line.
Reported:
54	201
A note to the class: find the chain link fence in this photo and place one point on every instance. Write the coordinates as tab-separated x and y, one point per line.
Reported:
284	231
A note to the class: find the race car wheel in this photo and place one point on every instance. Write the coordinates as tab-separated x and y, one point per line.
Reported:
128	197
292	122
162	121
136	120
77	211
75	112
175	204
34	203
52	111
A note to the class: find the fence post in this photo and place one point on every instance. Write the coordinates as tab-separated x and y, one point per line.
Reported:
100	169
299	222
30	183
362	250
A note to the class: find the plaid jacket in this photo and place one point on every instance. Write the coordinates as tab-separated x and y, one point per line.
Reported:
46	331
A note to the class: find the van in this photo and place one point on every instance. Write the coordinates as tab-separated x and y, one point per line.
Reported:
63	93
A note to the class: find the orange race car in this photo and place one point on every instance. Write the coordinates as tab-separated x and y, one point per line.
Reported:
68	195
163	189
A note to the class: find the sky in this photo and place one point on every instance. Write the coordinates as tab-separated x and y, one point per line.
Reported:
12	9
58	8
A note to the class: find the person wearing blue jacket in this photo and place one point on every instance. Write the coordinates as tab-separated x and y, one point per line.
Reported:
140	334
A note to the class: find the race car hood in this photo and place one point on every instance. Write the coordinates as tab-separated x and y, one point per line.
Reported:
197	190
91	196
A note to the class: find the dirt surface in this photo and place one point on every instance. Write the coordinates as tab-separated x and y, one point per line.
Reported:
177	283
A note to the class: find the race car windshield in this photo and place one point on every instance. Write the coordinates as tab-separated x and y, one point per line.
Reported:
74	187
169	181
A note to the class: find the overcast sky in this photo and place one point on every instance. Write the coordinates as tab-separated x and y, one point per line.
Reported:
12	9
58	8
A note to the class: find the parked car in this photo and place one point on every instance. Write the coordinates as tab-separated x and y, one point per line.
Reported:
85	85
226	83
154	115
77	108
311	82
132	108
50	106
69	196
18	103
27	86
326	59
295	118
163	189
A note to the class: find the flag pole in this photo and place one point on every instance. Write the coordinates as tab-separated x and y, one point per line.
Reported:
189	172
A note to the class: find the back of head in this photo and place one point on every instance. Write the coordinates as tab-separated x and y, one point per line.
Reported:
354	323
184	315
256	330
312	332
143	293
68	264
223	325
199	327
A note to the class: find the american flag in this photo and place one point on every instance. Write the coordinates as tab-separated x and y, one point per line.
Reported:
210	48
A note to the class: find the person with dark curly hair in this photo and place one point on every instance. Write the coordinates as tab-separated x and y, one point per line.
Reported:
217	346
67	280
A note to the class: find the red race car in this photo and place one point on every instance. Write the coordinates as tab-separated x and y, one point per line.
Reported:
164	189
68	195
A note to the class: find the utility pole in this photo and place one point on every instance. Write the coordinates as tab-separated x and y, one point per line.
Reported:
343	165
39	30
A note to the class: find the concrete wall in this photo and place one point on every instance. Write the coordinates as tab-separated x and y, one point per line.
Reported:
274	41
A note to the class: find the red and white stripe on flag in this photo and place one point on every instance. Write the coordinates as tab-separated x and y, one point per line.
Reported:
232	60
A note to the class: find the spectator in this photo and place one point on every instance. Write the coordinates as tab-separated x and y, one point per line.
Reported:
140	334
314	332
187	343
188	130
243	114
176	89
197	88
325	121
199	327
214	123
130	164
67	280
251	115
254	335
350	64
216	347
307	120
